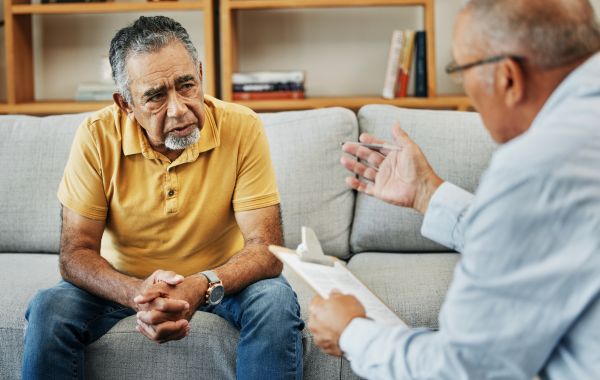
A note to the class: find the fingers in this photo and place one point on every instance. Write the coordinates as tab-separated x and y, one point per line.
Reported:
169	277
370	139
400	136
357	185
374	158
159	289
359	168
155	316
164	332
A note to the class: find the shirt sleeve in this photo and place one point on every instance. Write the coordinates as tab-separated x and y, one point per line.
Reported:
444	219
511	300
81	188
256	186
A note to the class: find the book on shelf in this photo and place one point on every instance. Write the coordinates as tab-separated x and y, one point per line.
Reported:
421	64
268	77
268	95
268	85
391	72
406	58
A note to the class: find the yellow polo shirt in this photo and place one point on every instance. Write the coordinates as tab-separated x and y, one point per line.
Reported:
160	214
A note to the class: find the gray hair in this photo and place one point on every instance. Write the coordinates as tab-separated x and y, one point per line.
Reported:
550	33
145	35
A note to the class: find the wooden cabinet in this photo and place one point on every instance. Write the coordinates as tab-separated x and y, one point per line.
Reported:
20	58
230	55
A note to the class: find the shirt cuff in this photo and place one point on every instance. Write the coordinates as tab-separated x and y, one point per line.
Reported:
446	207
356	334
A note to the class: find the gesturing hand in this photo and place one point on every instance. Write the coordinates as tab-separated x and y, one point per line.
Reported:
400	177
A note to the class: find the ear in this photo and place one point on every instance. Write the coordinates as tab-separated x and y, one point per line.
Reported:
123	105
510	82
200	70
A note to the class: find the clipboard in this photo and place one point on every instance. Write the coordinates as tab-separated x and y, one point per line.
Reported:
325	273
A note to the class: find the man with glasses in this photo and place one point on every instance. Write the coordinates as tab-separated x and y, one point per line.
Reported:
525	297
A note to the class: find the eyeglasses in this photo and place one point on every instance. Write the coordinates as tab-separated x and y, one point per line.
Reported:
456	71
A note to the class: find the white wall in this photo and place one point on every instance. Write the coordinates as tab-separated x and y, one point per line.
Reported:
344	51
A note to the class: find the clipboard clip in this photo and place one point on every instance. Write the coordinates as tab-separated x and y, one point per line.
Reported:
310	249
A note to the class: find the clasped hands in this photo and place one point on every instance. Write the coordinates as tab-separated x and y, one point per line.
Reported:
166	302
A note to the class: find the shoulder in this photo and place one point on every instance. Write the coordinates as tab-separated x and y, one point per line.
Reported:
231	117
104	124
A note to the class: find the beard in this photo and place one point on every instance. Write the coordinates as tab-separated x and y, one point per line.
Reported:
173	142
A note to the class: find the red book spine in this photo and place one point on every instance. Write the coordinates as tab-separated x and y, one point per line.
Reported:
268	95
402	86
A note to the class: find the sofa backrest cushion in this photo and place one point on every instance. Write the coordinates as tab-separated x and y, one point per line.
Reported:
458	148
33	153
305	149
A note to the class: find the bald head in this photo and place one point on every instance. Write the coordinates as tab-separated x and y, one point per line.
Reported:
550	33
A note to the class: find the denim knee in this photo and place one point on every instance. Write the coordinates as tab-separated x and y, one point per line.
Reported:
275	300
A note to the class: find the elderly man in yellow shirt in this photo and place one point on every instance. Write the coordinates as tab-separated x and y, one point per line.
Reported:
169	202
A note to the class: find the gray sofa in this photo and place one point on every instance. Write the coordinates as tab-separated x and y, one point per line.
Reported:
381	242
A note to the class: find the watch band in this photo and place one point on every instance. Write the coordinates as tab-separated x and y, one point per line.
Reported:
211	276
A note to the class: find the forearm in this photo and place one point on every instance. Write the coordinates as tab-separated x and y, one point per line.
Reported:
253	263
88	270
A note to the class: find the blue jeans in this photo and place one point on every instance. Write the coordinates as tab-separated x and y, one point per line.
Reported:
64	319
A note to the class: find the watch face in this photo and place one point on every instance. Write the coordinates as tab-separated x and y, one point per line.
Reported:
216	295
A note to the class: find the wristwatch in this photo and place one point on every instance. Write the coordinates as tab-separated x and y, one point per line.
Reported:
215	291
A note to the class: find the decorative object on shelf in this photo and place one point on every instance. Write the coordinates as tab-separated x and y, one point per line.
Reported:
268	85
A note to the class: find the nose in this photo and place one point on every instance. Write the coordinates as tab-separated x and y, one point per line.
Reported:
175	107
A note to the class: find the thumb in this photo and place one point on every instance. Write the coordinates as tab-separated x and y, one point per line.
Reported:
400	137
169	277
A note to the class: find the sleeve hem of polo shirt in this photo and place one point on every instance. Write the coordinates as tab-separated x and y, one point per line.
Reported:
256	202
446	208
88	212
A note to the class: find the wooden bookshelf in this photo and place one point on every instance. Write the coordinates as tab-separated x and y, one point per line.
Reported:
19	48
230	44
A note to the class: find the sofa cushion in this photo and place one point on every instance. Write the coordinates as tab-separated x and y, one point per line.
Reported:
33	152
305	149
458	148
412	285
208	353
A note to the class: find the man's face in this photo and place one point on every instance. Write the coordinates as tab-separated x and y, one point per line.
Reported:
167	97
479	81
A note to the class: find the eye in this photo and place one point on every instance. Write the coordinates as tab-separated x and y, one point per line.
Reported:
155	98
187	86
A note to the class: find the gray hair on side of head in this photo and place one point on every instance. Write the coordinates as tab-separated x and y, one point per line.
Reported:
550	33
145	35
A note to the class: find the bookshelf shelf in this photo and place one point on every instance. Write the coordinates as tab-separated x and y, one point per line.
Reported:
283	4
439	102
230	46
90	8
19	41
51	107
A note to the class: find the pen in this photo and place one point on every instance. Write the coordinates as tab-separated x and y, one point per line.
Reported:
373	146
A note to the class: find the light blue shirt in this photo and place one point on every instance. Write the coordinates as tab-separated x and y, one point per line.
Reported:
525	298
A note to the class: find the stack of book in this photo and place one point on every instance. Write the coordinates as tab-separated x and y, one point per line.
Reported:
406	46
268	85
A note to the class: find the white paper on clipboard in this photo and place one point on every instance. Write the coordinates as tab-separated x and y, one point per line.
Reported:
323	279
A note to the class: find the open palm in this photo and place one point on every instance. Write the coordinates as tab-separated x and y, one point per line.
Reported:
400	177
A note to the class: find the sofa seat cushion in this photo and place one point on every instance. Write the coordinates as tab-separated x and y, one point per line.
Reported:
305	149
458	148
207	353
412	285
